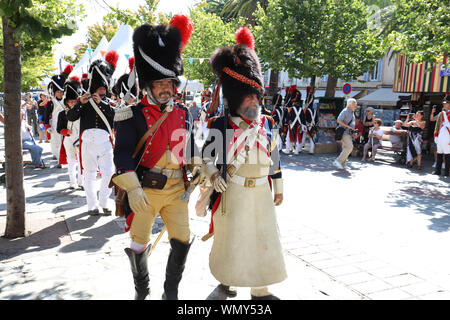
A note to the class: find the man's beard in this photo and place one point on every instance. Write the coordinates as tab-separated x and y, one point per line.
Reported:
250	113
163	100
158	100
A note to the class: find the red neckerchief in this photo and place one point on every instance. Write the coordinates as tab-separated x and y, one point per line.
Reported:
171	133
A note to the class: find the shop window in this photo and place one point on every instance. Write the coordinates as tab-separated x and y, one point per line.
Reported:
376	73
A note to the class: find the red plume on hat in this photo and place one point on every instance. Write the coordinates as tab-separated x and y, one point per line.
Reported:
111	57
287	90
67	70
308	90
75	78
292	88
184	26
131	63
84	76
244	36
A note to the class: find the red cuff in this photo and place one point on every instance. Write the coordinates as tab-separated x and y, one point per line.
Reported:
65	133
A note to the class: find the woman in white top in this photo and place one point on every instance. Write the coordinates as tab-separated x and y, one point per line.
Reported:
375	136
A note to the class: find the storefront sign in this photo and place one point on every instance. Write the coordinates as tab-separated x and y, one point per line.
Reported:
445	72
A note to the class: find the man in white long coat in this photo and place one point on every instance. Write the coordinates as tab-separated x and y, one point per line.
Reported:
246	251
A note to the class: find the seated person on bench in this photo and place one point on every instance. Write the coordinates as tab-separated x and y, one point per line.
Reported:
375	136
396	135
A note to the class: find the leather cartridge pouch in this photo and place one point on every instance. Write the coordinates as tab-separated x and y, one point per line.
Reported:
120	198
154	180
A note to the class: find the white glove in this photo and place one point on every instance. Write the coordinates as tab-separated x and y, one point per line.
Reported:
215	178
137	198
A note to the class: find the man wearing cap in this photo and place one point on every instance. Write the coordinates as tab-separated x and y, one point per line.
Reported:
96	138
442	138
70	130
53	108
153	153
246	251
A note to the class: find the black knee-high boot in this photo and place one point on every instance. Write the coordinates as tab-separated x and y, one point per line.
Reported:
140	272
175	268
447	165
439	159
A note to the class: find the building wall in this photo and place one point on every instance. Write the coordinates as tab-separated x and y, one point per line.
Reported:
381	76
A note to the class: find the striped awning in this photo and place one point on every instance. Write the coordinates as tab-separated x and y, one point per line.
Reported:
424	77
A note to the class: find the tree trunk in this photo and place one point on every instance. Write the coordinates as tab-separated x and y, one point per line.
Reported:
15	194
313	83
331	87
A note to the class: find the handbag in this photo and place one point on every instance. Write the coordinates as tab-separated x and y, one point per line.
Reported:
339	132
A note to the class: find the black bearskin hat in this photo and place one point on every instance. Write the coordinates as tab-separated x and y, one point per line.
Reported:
121	86
72	89
84	83
57	81
276	100
106	68
238	69
157	50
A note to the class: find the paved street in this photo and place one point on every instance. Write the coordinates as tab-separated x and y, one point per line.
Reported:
375	231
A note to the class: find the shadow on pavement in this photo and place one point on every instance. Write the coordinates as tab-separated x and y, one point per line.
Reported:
50	234
425	197
58	291
94	238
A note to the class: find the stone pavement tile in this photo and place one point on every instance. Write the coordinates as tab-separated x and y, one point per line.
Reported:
387	271
305	282
329	263
403	280
356	258
332	247
371	286
390	294
341	270
355	278
304	251
421	288
371	265
345	251
318	256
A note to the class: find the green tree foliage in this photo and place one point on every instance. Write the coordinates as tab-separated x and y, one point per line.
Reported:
316	38
48	20
210	33
420	29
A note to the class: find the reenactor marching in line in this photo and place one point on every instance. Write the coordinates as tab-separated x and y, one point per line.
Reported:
244	253
294	132
53	108
96	137
153	154
70	130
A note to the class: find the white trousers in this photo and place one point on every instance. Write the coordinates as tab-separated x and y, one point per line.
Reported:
311	143
73	163
55	143
97	154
